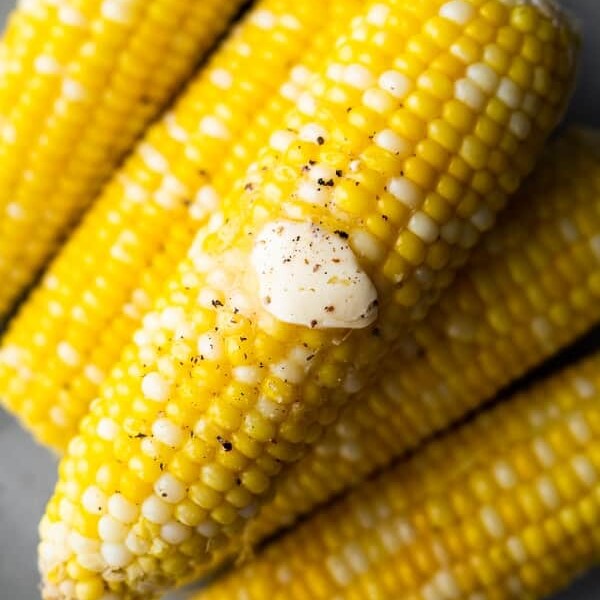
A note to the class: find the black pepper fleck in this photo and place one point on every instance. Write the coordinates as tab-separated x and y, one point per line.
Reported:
325	182
226	444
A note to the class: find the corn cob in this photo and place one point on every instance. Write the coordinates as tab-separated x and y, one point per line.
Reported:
507	506
79	82
532	288
143	223
233	372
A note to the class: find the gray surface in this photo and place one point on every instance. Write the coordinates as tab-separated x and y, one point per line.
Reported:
27	471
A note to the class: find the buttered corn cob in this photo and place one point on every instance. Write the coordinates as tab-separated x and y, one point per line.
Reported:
79	81
507	506
533	286
77	322
375	186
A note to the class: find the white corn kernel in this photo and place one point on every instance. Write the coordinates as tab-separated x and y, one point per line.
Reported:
492	522
221	78
389	140
94	500
509	92
155	387
585	470
116	556
111	530
156	510
68	354
484	77
281	140
313	133
210	346
214	127
122	509
208	528
468	93
246	374
424	227
405	191
458	11
378	15
579	429
153	158
520	125
136	544
358	76
167	432
377	100
395	83
107	429
174	532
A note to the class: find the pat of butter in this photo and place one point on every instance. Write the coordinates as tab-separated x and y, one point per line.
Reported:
309	276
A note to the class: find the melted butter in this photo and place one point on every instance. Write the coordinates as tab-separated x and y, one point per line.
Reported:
311	277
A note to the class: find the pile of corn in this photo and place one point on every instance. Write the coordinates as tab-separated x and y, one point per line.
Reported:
329	249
